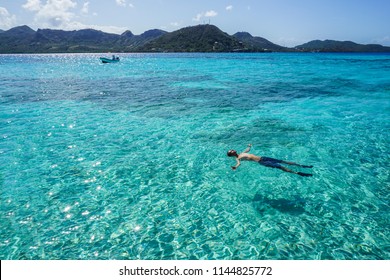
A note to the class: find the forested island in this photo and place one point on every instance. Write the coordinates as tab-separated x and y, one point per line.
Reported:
199	38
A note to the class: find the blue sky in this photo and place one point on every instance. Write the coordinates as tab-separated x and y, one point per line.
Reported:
285	22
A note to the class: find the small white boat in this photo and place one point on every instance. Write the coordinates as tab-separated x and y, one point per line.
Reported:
114	59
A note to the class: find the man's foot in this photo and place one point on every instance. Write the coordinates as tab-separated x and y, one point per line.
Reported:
304	174
307	166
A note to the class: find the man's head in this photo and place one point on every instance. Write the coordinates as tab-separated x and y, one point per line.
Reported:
232	153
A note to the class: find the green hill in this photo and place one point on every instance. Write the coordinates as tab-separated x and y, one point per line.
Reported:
200	38
259	43
340	46
23	39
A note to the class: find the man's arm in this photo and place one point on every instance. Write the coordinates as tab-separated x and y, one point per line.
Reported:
237	165
248	149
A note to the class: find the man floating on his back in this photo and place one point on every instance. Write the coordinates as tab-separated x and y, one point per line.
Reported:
266	161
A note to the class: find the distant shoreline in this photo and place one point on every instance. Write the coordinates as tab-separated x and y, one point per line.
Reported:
194	39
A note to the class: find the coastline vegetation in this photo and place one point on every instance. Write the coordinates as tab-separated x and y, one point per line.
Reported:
199	38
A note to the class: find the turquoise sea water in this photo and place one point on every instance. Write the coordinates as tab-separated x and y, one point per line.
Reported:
128	161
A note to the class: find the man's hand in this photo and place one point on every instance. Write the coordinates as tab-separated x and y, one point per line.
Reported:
248	148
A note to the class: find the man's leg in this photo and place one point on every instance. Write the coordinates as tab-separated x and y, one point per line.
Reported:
286	169
296	164
274	163
290	171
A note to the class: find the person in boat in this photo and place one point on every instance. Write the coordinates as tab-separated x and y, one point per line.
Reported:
265	161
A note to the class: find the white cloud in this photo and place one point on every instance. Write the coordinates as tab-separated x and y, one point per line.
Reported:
123	3
198	17
53	13
229	8
85	8
105	28
62	14
32	5
210	13
6	19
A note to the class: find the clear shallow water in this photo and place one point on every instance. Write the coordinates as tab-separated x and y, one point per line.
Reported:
128	161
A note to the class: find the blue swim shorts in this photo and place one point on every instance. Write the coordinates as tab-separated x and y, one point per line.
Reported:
270	162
